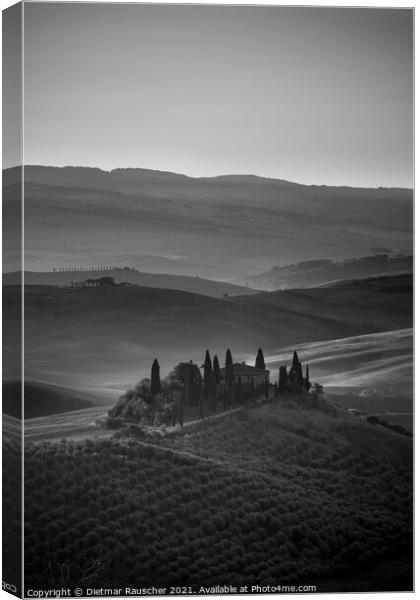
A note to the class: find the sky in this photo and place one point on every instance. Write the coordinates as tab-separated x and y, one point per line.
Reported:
314	95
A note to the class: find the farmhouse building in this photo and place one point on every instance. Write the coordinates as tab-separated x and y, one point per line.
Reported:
100	282
248	375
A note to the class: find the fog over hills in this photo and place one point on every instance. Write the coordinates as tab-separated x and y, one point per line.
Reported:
102	338
320	272
218	227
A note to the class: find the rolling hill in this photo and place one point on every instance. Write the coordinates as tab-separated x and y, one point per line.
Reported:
220	228
196	285
107	338
42	399
312	273
286	493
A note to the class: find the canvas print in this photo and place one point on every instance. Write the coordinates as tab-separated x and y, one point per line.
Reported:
208	299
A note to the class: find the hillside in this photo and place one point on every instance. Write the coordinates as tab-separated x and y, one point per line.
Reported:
109	337
196	285
284	493
319	272
42	399
218	227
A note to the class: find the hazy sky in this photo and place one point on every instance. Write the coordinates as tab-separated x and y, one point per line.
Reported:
314	95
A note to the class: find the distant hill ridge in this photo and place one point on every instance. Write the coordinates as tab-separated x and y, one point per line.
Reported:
224	228
313	273
77	174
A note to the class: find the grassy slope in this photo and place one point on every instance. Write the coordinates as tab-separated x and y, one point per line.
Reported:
316	273
42	399
279	494
105	332
196	285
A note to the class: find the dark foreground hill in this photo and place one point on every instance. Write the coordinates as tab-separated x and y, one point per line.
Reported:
111	336
217	227
284	494
42	399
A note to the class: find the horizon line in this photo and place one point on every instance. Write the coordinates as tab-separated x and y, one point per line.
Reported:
197	177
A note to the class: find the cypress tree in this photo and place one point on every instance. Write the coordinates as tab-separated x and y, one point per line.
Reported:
307	382
216	369
155	386
200	397
300	376
212	392
207	374
259	361
229	379
282	379
295	362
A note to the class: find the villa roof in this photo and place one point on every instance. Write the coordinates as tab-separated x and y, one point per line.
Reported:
243	369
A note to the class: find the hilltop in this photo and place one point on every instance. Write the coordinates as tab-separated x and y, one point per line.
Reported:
221	228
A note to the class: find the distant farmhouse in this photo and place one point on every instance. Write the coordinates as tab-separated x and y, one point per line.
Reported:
100	282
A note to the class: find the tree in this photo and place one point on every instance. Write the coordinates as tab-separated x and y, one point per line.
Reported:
229	379
295	362
283	378
189	376
317	389
307	382
155	385
181	410
259	361
216	369
200	397
300	376
212	392
207	374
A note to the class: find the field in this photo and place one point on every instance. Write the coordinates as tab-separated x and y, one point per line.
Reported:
377	360
42	399
283	493
196	285
105	340
75	425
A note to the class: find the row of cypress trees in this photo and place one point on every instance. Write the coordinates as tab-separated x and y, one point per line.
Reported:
212	378
294	379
